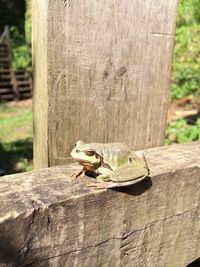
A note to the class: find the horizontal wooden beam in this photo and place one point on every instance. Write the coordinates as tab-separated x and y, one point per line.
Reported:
48	220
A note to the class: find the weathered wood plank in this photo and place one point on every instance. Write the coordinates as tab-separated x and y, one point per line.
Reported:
47	221
107	76
40	92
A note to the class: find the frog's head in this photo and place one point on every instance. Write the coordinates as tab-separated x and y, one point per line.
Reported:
86	155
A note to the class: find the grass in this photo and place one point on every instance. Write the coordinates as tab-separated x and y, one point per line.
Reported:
16	137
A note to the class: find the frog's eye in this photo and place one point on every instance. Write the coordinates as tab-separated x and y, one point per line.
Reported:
79	143
89	152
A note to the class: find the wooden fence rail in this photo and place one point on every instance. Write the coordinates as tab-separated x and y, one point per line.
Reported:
46	220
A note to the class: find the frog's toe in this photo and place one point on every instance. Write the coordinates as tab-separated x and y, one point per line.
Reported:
102	178
92	185
98	185
73	176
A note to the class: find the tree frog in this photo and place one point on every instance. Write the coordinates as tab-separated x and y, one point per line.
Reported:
114	162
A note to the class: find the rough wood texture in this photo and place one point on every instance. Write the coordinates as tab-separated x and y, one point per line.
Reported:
108	73
47	221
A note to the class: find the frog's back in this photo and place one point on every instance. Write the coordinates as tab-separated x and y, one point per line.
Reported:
114	153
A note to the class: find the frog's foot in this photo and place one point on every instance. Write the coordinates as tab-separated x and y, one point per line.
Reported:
99	185
74	175
102	182
71	177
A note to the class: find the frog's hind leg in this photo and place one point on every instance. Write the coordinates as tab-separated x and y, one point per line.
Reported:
134	159
102	181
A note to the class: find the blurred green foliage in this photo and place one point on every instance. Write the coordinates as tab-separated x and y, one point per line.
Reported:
21	50
186	70
186	62
16	14
28	22
188	12
21	43
180	131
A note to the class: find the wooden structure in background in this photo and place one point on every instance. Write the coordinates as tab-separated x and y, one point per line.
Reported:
14	84
101	73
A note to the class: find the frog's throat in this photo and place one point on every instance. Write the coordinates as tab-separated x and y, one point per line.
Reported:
88	165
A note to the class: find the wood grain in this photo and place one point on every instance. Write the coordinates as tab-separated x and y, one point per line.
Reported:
107	73
46	220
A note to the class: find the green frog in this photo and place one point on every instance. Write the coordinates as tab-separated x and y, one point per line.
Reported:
114	162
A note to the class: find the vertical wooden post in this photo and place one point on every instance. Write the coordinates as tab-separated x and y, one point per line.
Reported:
101	73
40	78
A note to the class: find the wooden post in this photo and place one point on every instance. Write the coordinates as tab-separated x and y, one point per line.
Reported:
101	73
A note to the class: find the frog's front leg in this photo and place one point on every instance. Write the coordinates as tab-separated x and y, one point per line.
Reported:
74	176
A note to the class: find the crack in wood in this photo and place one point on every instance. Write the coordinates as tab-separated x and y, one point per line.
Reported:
112	238
73	251
25	246
159	220
161	34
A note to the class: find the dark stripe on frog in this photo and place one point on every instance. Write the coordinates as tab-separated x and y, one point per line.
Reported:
106	165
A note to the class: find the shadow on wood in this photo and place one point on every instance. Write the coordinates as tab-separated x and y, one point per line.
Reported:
195	263
136	189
